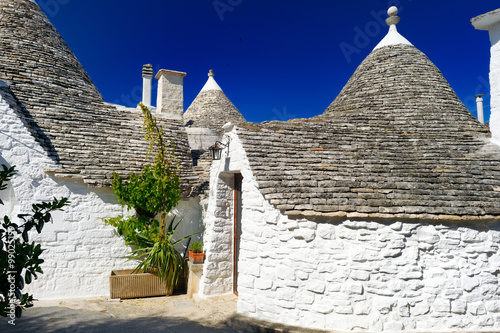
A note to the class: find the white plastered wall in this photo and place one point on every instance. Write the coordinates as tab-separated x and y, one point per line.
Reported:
349	274
495	83
217	277
81	249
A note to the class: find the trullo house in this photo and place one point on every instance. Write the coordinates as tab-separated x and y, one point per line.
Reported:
65	141
381	214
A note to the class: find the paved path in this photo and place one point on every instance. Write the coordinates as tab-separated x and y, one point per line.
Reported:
159	314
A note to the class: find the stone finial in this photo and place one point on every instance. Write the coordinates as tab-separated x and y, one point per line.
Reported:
211	73
393	19
393	37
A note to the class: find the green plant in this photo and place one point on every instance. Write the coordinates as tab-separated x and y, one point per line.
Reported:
154	192
19	259
196	247
160	256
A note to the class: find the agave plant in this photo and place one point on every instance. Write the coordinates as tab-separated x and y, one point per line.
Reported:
160	256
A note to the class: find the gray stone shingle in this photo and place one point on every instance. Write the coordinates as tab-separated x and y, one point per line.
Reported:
65	112
397	142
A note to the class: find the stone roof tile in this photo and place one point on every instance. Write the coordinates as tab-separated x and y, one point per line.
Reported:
212	109
88	138
396	142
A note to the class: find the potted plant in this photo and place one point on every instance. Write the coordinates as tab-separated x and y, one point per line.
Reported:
152	194
196	253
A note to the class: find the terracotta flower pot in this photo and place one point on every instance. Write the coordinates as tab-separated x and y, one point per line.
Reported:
196	257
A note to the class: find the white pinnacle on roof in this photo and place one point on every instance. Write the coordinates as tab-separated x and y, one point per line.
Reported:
393	37
211	84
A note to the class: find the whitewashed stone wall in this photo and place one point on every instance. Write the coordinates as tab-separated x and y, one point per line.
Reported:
495	82
217	277
348	275
81	249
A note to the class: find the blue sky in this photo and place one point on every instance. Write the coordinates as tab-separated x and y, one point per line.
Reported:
275	59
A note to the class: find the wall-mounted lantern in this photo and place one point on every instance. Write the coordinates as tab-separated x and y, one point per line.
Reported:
216	150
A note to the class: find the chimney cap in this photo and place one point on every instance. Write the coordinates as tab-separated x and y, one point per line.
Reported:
147	71
479	96
169	72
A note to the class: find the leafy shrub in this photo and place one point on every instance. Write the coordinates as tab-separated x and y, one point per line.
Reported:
152	193
19	259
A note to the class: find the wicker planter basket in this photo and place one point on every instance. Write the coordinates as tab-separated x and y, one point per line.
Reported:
124	284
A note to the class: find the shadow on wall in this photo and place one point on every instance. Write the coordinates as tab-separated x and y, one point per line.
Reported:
7	196
188	209
28	121
78	187
3	161
190	212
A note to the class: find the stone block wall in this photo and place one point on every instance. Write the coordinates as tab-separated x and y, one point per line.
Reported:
217	278
170	98
81	250
366	275
370	275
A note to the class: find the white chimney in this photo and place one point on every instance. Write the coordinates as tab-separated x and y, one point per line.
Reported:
480	112
170	101
491	23
147	78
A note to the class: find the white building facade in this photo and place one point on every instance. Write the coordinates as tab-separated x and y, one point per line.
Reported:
491	23
348	272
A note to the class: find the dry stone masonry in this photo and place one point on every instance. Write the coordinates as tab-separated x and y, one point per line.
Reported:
382	214
395	142
81	250
204	119
370	275
61	136
217	275
212	109
384	274
88	138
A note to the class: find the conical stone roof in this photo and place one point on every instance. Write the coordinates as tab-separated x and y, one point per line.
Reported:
65	112
37	62
396	143
398	88
211	108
